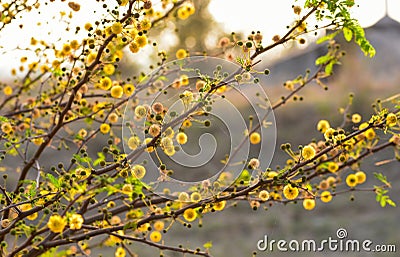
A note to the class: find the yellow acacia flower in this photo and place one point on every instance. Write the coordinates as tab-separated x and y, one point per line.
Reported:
182	14
113	117
144	227
169	132
76	221
116	28
127	189
27	207
187	123
133	142
272	174
82	173
104	128
333	167
308	204
7	90
181	138
328	135
88	26
356	118
5	223
145	24
56	223
138	171
361	177
120	252
154	130
190	8
112	240
323	125
263	195
185	11
308	152
331	181
89	58
141	40
370	134
140	111
134	47
66	49
74	44
351	180
44	68
183	197
166	142
117	91
190	215
129	89
105	83
38	140
181	54
169	150
184	79
187	97
326	196
82	133
255	138
195	197
109	69
6	127
155	236
158	225
290	192
219	206
391	120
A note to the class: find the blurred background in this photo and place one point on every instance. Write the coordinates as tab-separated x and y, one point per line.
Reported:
235	231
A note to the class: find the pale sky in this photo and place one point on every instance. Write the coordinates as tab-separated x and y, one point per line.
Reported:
274	15
269	16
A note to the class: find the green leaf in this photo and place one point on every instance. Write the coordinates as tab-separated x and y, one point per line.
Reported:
327	37
81	159
32	190
378	197
390	202
3	119
163	78
208	245
382	178
350	3
323	59
383	202
98	160
329	67
88	121
348	34
360	39
130	225
53	180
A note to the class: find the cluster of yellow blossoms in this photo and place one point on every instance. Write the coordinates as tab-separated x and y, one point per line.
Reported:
57	224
